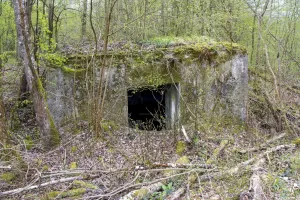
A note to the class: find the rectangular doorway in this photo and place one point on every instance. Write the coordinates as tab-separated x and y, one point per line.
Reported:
153	108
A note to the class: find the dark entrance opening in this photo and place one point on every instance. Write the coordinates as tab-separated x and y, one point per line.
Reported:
146	108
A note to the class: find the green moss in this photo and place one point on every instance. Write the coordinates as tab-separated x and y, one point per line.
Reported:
28	142
192	178
45	168
73	149
214	52
150	73
105	127
73	165
108	126
64	194
180	147
82	184
41	88
141	193
9	152
159	65
167	41
217	151
183	160
8	176
296	141
54	134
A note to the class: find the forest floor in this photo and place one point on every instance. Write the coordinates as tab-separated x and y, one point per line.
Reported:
228	163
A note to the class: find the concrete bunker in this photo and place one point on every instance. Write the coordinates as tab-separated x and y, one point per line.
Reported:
164	87
152	108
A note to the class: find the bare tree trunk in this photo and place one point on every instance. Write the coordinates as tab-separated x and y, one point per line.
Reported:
3	127
163	17
50	20
49	133
83	20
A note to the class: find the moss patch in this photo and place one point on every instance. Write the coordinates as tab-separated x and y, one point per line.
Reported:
64	194
45	168
158	61
141	193
8	176
73	165
217	151
180	147
82	184
73	149
183	160
28	142
108	126
54	134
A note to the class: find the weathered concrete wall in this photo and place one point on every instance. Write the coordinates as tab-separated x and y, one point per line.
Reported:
210	90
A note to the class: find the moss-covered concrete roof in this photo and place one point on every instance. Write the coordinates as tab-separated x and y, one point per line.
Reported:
199	47
160	50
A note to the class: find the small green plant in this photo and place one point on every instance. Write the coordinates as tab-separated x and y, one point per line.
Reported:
166	190
281	187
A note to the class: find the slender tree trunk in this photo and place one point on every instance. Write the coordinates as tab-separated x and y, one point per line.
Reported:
83	20
163	17
36	37
145	19
49	134
50	20
3	127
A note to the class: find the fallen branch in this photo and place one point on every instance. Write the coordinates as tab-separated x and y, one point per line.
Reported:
185	134
142	192
177	194
5	167
242	165
264	145
179	165
256	184
53	182
255	190
204	177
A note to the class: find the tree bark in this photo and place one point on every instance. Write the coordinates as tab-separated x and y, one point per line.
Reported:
50	20
83	20
3	127
49	134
